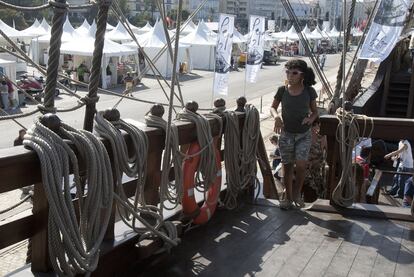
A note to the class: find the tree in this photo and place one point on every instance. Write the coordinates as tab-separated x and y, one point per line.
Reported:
9	15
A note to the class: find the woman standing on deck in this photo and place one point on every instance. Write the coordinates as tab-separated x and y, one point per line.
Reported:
298	99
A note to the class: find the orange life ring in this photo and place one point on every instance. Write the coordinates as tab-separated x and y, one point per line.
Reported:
189	203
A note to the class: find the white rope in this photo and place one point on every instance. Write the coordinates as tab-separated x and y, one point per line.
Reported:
170	191
344	192
232	157
206	171
73	245
250	140
136	167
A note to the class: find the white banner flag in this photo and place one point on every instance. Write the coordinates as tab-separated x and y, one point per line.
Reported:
255	47
223	54
385	30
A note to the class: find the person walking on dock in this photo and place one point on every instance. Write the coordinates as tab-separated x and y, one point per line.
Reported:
298	99
406	165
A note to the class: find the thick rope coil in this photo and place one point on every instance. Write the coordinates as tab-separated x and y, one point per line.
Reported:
343	194
73	245
136	167
250	140
232	154
206	172
171	191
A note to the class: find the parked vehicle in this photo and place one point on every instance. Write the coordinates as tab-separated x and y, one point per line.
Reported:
270	57
33	85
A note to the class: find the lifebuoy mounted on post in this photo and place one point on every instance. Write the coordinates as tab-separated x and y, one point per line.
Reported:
189	203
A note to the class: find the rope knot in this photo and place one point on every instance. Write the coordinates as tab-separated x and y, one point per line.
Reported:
44	110
88	100
59	5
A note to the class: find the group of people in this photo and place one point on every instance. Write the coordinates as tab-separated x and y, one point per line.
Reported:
6	93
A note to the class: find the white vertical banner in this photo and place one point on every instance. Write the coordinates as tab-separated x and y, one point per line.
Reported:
255	47
223	54
385	30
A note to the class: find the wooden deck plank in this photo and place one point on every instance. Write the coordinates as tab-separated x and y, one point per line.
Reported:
285	252
367	252
387	254
252	263
352	234
405	261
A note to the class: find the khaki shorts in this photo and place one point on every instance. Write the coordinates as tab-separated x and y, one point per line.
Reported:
294	146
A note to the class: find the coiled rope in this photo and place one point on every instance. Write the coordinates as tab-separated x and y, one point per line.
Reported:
169	191
206	172
232	157
344	192
73	245
250	140
134	166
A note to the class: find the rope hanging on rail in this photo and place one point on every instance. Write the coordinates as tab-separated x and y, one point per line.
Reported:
344	192
170	191
206	172
109	125
73	244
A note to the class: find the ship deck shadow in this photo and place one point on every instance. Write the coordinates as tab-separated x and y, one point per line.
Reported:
261	240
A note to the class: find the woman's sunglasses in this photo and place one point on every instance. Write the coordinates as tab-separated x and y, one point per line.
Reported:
293	72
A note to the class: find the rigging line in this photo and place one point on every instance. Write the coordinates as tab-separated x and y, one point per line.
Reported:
151	63
29	60
316	66
15	121
306	43
344	23
166	158
361	41
45	6
163	49
320	73
169	47
20	8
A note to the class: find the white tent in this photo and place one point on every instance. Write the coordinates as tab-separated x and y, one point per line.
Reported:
334	33
45	25
202	49
109	27
11	32
119	34
39	46
134	28
83	29
32	29
154	42
144	29
84	47
317	33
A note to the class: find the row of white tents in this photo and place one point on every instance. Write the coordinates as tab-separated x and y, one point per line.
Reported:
197	43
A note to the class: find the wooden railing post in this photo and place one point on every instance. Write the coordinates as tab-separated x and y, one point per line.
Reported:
40	248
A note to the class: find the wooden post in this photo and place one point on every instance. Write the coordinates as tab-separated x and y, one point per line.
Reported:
269	185
40	250
152	184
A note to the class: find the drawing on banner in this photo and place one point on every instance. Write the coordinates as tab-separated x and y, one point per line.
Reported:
391	13
223	54
255	48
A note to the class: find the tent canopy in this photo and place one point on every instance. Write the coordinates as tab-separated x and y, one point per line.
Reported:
83	29
199	37
119	33
67	34
11	32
